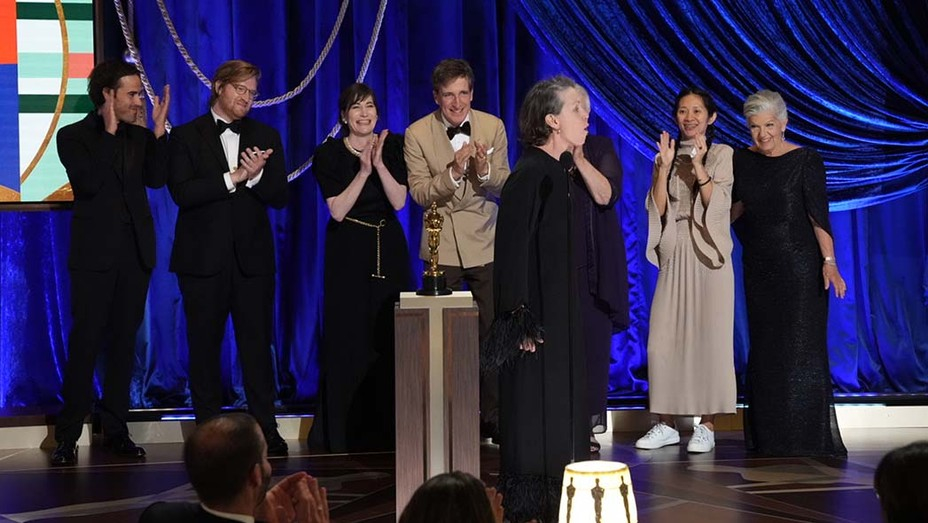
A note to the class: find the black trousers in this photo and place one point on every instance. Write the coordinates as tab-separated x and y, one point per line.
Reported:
208	301
106	309
480	282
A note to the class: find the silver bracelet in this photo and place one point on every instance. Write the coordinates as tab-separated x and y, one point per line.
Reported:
830	260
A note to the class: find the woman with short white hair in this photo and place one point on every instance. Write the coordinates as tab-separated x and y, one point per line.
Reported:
781	214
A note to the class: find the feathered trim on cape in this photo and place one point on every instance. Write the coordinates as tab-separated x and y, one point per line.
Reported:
501	346
527	497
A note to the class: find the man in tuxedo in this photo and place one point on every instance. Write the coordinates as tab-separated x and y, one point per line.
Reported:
109	160
226	461
225	171
458	157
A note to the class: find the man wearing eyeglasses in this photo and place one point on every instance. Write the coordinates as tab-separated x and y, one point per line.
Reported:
226	170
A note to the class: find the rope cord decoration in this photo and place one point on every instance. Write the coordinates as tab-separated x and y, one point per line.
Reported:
135	57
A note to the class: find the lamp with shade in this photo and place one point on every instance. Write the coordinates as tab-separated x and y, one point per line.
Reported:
596	492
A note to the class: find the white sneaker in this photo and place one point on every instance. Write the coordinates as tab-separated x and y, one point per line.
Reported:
703	439
659	436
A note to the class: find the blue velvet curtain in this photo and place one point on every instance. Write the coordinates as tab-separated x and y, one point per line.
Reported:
854	76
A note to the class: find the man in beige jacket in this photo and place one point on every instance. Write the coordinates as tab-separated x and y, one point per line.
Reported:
458	158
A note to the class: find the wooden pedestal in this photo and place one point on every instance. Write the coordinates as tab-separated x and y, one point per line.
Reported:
437	389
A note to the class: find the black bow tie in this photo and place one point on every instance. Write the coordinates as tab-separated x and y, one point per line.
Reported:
464	128
235	126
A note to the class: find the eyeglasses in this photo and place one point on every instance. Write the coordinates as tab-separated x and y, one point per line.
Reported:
242	90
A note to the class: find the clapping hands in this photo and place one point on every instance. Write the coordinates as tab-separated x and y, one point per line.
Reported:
666	147
298	498
159	112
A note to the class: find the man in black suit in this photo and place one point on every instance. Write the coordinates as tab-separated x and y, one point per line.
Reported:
226	461
109	160
226	169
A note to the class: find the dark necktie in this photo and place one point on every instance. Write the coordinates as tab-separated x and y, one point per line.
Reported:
235	126
464	128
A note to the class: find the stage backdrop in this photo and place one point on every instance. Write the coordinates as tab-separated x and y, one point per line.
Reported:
854	75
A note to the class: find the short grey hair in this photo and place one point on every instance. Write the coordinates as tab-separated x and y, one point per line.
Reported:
765	100
543	98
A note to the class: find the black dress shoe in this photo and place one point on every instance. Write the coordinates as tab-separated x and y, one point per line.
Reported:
65	454
276	446
124	447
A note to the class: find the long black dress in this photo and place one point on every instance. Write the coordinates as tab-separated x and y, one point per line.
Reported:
355	402
789	390
544	420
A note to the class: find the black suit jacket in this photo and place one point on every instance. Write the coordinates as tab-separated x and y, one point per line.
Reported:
215	226
163	512
108	175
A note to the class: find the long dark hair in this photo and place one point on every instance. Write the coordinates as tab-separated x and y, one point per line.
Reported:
711	109
452	497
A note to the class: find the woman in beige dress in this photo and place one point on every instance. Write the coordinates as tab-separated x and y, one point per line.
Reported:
690	346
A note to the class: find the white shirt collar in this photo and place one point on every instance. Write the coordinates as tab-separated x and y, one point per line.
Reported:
217	117
459	139
448	125
234	517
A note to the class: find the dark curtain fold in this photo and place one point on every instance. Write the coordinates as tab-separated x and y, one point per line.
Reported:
853	73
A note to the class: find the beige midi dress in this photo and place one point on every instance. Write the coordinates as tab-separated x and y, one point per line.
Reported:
690	345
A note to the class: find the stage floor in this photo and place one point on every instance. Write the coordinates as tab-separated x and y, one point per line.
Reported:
723	486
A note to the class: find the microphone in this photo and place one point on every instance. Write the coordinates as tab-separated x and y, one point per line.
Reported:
567	162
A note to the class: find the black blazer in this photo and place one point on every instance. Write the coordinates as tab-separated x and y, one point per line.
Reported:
213	226
163	512
108	175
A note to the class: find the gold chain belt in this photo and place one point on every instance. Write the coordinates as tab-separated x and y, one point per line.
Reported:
376	226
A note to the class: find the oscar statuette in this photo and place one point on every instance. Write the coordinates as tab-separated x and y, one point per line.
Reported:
433	280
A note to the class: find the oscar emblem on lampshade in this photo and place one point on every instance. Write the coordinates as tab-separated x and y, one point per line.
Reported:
597	492
433	280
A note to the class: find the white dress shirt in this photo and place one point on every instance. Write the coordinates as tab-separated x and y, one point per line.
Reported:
234	517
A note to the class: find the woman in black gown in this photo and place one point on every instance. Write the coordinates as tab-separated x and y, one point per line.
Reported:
363	180
536	337
781	214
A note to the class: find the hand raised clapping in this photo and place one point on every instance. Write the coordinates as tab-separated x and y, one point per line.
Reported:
701	149
251	162
298	498
159	112
666	149
377	158
461	158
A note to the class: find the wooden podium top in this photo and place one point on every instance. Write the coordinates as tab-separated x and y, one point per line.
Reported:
457	299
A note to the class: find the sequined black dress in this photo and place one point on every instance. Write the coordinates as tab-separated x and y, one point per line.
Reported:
788	387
